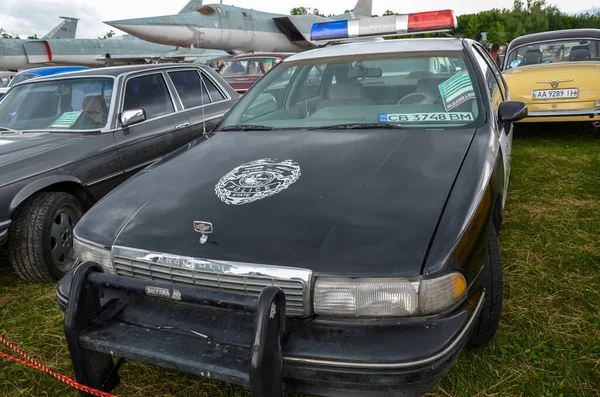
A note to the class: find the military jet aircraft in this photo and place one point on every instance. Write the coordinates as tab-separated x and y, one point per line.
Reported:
121	50
233	29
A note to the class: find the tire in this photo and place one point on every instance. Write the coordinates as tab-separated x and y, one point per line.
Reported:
489	318
40	240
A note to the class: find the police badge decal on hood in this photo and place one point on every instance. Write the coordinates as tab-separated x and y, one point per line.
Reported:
257	180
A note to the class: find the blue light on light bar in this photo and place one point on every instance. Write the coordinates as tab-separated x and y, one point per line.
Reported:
329	30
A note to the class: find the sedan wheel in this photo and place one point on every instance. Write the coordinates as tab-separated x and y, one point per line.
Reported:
41	236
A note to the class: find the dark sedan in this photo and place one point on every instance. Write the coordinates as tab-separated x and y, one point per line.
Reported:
337	234
67	140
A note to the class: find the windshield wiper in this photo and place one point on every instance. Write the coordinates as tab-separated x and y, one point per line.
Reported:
10	130
249	128
359	126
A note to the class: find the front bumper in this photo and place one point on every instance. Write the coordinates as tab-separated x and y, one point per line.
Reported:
215	340
4	232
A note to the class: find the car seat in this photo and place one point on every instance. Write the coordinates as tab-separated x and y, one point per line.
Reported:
580	53
532	57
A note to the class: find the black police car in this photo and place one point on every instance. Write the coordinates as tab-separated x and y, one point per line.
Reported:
337	235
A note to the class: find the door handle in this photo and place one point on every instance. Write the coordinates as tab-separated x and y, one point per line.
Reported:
180	126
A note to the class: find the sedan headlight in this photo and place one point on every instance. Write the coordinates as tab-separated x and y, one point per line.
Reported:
86	251
387	297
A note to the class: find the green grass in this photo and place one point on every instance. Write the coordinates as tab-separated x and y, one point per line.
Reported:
548	343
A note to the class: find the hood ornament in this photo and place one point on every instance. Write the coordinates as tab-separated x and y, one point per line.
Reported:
205	228
555	83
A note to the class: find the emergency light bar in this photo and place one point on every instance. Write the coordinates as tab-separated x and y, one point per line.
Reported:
391	25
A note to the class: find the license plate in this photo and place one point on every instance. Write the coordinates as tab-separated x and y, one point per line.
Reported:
555	94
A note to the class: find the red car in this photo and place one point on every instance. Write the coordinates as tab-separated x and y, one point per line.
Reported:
242	71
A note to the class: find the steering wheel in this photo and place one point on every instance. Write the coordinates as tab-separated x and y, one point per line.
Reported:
425	99
81	121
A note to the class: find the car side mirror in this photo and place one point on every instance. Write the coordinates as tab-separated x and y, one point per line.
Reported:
134	116
511	111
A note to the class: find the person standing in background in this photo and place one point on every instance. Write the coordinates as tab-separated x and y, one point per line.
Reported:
495	54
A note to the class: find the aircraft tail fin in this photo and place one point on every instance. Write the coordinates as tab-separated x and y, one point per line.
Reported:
363	8
191	6
65	30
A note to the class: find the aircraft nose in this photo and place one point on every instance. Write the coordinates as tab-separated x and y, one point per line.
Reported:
168	30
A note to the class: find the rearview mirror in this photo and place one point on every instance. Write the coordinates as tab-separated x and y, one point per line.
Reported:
511	111
263	104
134	116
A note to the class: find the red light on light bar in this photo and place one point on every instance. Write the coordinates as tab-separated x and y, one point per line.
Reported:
431	20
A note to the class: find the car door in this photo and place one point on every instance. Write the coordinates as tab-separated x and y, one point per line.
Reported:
143	143
498	93
203	100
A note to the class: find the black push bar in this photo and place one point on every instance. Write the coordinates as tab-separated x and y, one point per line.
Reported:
98	370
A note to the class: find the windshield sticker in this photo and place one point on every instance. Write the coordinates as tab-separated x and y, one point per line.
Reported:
456	90
257	180
412	117
66	120
515	63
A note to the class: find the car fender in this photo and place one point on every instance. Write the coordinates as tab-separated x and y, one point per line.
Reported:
461	237
38	185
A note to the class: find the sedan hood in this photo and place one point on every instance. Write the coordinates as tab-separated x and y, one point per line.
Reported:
17	150
360	201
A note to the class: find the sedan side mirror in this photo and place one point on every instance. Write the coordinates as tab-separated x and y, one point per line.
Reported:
134	116
511	111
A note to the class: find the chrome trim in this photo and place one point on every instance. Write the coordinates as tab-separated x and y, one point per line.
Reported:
219	272
565	113
144	164
5	224
104	178
555	83
442	353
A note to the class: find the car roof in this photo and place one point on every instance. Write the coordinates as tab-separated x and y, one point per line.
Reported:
381	47
50	70
553	35
119	70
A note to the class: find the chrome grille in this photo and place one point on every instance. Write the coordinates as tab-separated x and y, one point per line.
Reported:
243	278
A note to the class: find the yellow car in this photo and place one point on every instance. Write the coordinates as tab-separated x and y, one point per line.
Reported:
557	74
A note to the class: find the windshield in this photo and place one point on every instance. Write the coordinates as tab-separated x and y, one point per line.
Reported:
420	90
557	51
22	77
73	104
249	66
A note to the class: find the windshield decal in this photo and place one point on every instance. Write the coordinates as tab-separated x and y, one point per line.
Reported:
66	120
257	180
412	117
456	90
515	63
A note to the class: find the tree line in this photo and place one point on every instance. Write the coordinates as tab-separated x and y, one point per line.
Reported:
504	25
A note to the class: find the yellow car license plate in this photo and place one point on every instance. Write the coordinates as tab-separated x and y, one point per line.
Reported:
555	94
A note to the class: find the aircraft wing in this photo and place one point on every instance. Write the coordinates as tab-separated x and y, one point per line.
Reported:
297	28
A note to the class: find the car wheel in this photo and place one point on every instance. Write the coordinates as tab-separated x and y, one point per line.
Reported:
40	239
489	318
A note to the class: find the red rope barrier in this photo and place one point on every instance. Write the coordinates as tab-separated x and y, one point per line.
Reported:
36	365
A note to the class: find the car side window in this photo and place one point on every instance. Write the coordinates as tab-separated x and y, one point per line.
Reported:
494	70
491	81
149	93
189	88
215	94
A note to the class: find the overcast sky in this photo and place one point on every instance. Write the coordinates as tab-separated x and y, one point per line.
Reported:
40	16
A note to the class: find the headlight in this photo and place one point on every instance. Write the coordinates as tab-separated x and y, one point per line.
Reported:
85	251
387	297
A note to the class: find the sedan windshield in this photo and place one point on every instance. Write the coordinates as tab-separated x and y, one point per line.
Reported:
70	104
416	90
22	77
556	51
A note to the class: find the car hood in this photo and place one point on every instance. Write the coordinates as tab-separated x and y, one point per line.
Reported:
365	201
17	150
